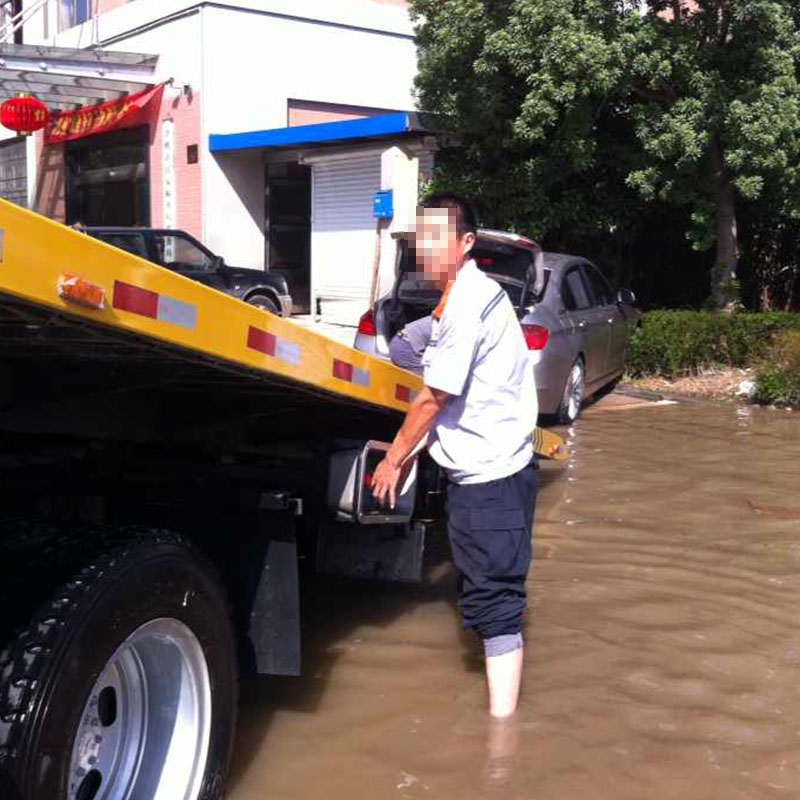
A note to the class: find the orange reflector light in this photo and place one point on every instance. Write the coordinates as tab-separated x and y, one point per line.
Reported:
75	290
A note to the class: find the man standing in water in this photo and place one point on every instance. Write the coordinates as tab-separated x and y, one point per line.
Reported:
479	405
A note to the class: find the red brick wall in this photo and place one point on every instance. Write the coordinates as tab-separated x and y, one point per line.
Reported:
185	111
50	196
108	5
308	112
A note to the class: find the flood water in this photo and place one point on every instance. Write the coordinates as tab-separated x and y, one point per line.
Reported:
662	638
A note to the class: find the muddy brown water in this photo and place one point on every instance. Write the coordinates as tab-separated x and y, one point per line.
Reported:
662	638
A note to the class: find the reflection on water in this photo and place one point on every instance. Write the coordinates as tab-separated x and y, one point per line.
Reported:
662	640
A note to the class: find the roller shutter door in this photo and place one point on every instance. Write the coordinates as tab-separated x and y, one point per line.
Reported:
343	235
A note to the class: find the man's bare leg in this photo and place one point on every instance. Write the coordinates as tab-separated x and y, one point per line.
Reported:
504	676
501	750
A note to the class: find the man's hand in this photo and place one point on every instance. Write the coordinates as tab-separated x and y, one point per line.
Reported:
413	432
384	482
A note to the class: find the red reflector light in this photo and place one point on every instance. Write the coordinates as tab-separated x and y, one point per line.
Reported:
366	324
536	336
76	290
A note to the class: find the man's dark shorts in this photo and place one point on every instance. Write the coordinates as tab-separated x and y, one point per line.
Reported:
490	526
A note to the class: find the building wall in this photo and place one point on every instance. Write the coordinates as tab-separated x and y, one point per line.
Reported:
311	60
179	59
244	61
184	111
104	6
119	18
305	112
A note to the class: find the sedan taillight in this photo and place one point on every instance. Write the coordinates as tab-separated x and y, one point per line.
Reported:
536	336
366	324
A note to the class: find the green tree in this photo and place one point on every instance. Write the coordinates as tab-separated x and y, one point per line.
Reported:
565	108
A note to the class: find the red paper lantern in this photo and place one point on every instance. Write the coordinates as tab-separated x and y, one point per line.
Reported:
24	114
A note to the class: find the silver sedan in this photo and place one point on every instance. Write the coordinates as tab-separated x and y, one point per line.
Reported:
576	328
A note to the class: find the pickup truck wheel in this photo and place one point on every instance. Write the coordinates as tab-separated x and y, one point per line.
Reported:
125	684
572	397
265	303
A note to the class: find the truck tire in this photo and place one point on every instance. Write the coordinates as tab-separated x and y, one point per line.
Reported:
124	684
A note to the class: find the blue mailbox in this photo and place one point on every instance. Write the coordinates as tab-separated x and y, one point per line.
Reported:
383	204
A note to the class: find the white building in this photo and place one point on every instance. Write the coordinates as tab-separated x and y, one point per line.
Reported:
279	121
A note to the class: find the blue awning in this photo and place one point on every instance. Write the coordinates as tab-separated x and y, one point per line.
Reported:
380	126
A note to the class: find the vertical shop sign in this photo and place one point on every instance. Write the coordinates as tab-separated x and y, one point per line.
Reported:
168	171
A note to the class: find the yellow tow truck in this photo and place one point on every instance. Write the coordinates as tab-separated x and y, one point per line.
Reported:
168	455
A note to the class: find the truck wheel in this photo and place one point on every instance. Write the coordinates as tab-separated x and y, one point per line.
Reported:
572	397
125	684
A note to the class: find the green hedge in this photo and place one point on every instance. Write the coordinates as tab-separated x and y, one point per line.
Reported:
778	376
674	343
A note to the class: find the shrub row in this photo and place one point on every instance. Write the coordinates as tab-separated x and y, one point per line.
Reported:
674	343
778	376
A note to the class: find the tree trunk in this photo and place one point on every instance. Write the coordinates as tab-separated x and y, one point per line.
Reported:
726	262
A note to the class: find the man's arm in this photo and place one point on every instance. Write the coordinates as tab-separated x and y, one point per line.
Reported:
418	422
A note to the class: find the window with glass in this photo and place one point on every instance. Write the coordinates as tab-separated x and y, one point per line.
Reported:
574	292
132	242
108	179
73	12
600	287
178	251
14	171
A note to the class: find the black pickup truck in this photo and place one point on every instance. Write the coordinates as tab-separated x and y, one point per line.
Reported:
182	253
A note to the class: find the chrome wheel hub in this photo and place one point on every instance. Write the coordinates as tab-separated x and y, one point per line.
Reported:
145	729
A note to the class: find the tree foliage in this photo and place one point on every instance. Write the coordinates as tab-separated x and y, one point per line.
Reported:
572	113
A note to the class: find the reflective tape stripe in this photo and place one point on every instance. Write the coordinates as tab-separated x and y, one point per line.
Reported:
136	300
177	312
360	376
287	351
262	341
275	346
342	370
405	394
351	374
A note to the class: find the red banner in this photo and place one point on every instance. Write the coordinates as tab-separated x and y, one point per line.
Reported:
129	111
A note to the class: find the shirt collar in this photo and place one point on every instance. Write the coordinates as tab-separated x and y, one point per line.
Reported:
468	268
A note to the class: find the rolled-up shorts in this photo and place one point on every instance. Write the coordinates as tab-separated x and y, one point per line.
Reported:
490	528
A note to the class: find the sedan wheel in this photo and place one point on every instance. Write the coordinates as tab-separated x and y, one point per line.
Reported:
572	398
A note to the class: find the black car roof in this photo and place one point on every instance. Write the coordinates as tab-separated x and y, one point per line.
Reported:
122	229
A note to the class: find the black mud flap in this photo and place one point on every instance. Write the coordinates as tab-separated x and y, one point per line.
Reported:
273	626
374	552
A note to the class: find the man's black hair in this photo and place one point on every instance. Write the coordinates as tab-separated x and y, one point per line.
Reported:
466	218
